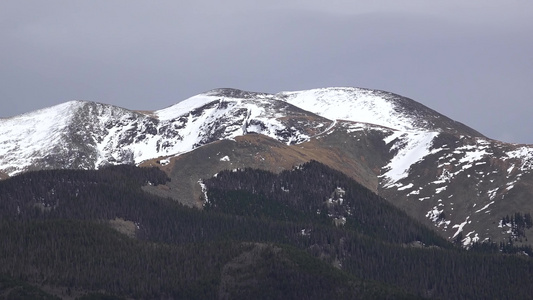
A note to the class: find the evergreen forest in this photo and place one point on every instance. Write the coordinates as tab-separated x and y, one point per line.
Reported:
308	233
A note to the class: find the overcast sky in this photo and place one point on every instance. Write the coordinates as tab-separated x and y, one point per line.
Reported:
472	62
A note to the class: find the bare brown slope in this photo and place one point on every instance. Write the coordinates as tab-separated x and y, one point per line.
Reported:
353	153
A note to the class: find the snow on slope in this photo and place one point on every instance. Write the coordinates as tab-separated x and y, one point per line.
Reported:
525	155
412	147
352	104
226	118
89	135
26	136
119	135
411	140
114	135
465	184
184	107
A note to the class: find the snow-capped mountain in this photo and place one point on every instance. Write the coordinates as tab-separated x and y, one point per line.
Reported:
459	180
438	170
374	107
88	135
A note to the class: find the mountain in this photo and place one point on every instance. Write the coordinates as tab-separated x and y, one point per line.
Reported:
374	107
461	181
466	186
88	135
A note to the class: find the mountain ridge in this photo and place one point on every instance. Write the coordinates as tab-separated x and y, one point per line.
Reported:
378	107
442	172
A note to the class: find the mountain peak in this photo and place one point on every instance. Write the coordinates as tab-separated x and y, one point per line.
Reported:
235	93
374	107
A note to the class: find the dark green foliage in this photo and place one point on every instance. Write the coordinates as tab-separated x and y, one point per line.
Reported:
90	256
261	235
20	290
519	223
285	272
98	296
510	248
244	203
78	194
302	195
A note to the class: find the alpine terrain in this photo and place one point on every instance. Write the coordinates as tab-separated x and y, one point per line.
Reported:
466	186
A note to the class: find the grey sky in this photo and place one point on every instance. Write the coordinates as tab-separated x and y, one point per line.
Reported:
472	62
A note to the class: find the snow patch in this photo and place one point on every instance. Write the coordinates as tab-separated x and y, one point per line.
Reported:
472	156
525	155
439	190
33	134
414	192
410	185
484	207
184	107
460	227
204	191
353	104
412	147
467	241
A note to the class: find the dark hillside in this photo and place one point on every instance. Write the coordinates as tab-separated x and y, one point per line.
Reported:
315	193
56	232
310	233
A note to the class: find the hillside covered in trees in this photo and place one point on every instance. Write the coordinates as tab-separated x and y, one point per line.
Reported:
309	233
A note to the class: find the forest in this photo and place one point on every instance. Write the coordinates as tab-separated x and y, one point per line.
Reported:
308	233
